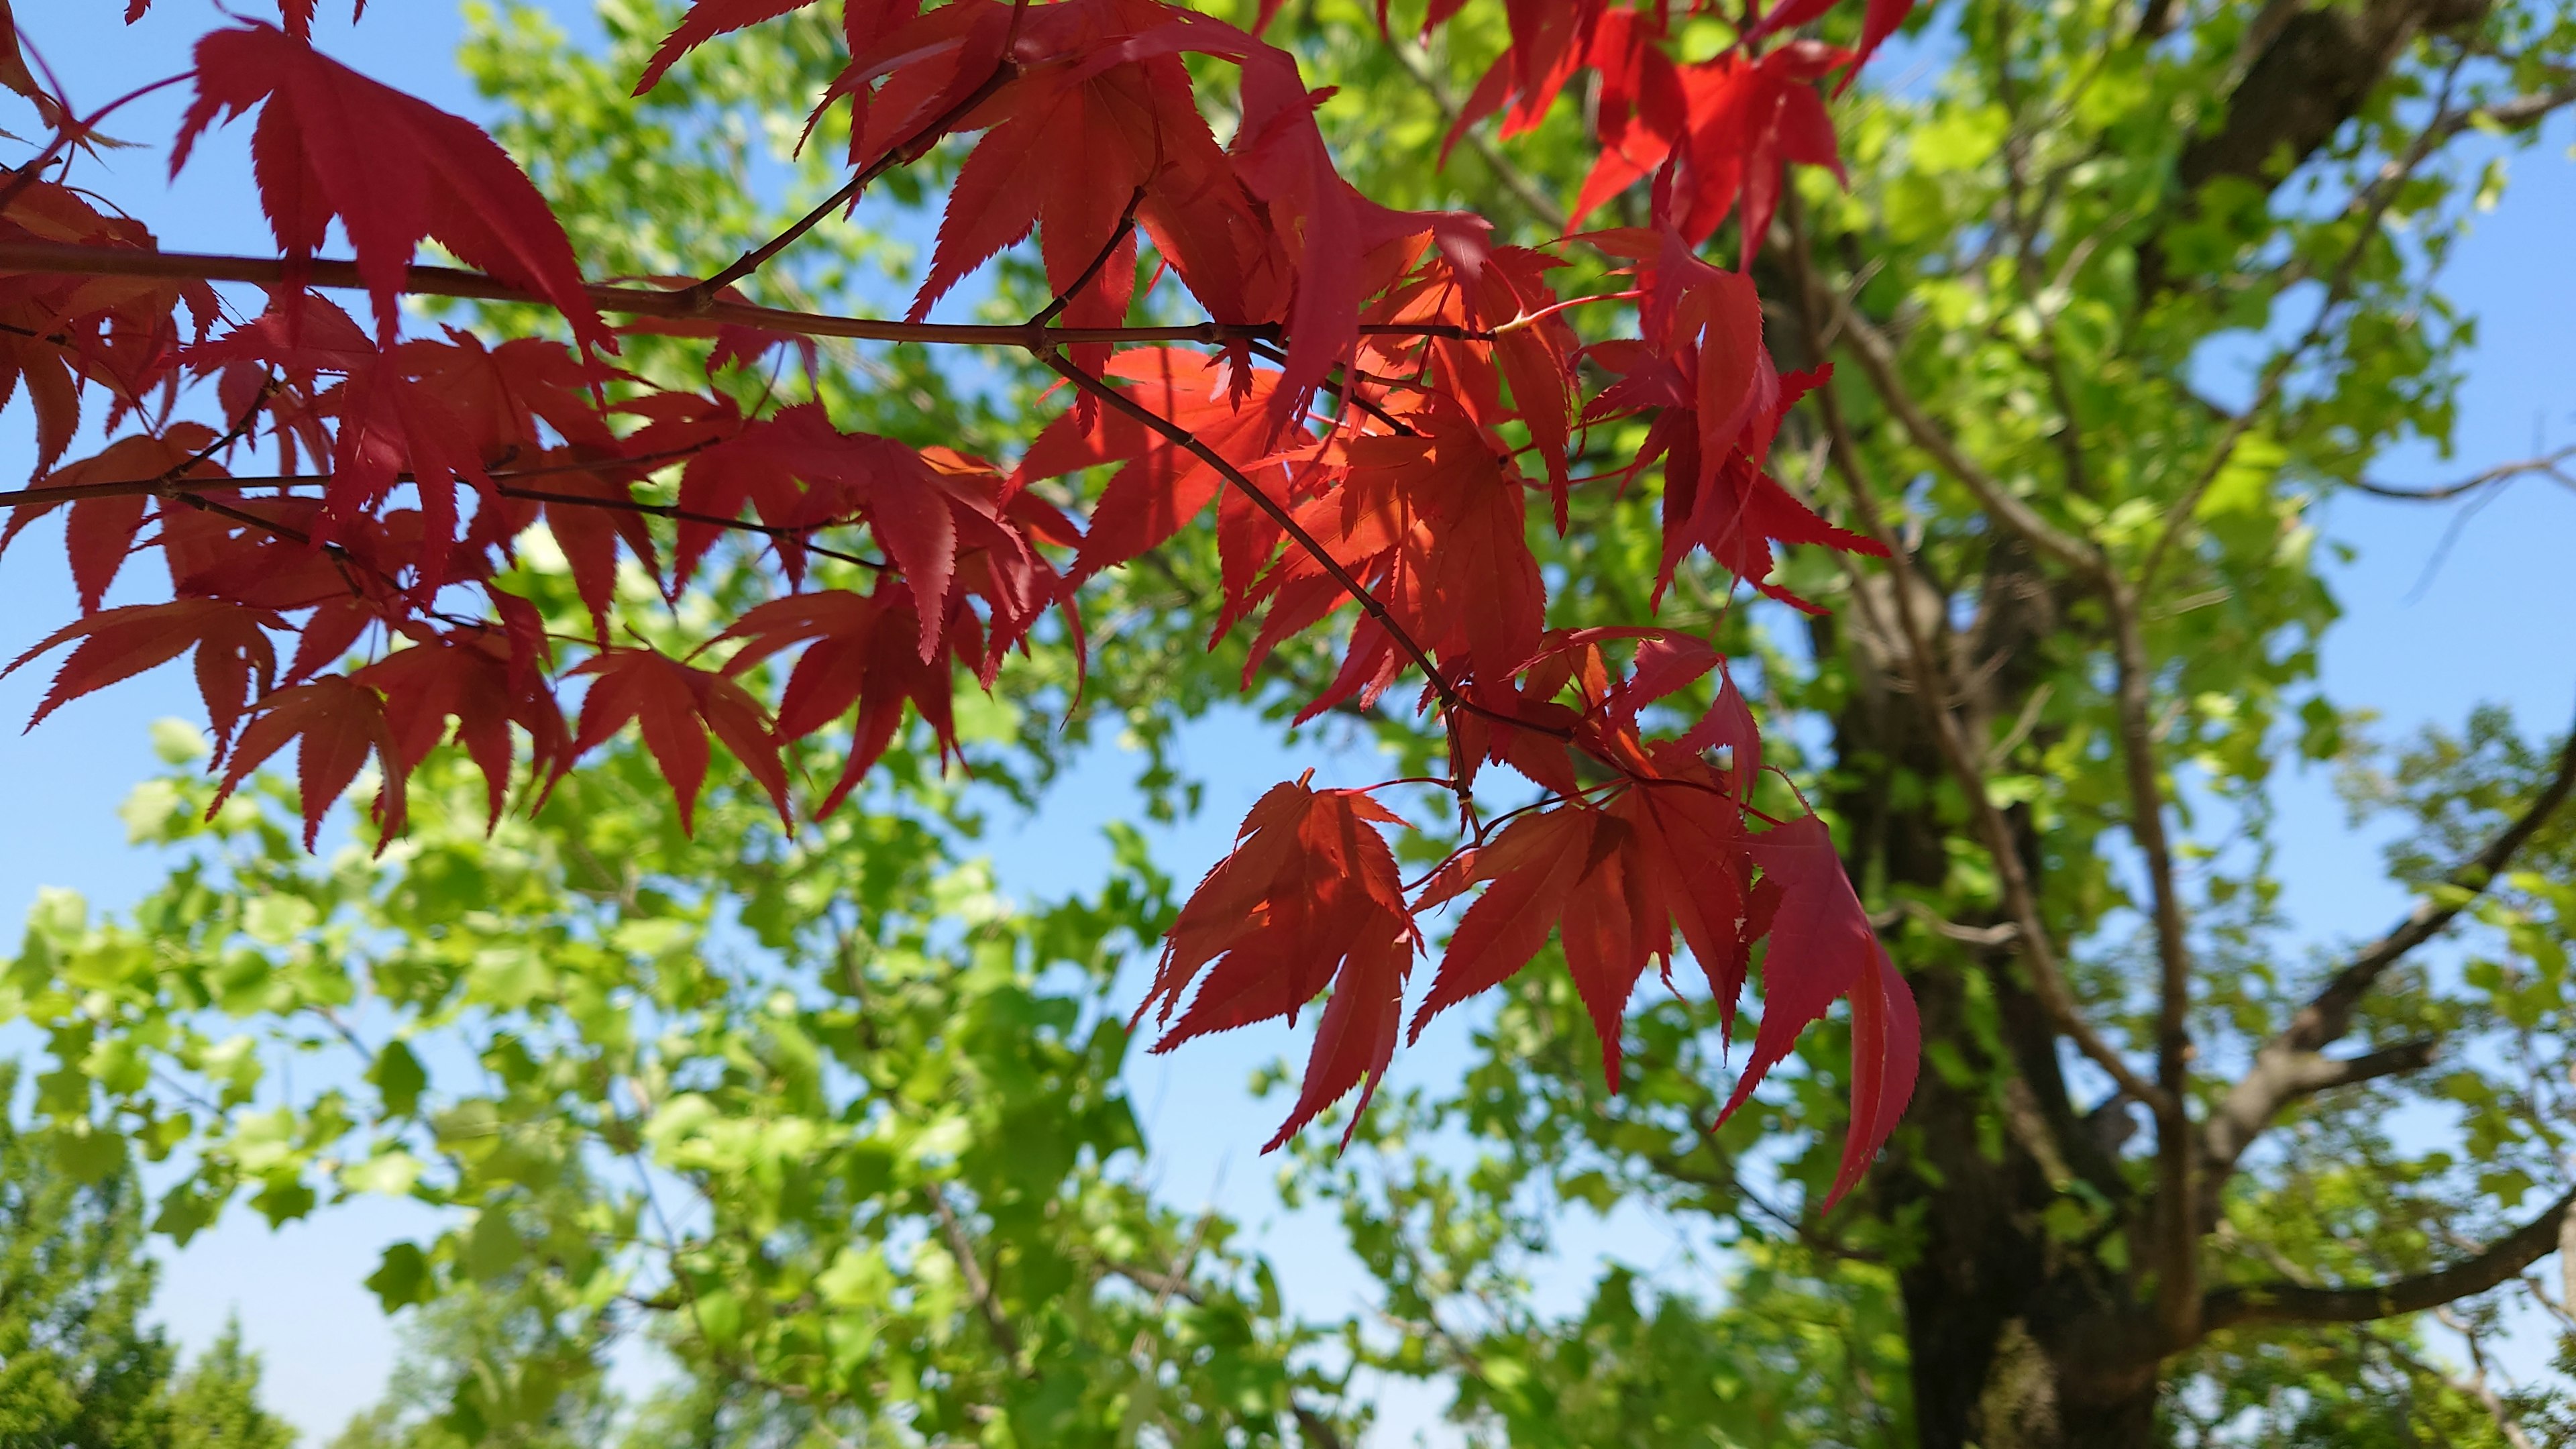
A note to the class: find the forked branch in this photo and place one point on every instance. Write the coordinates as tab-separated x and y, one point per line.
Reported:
2267	1303
2285	1062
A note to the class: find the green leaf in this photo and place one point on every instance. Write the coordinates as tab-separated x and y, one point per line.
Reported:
398	1079
402	1278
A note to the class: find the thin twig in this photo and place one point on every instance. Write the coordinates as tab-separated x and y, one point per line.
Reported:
910	150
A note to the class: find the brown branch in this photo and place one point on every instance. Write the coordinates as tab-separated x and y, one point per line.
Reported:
2279	1066
2176	1225
72	260
2021	901
2270	1303
1347	390
2286	1078
1878	359
952	1232
2474	1386
49	494
2550	465
164	486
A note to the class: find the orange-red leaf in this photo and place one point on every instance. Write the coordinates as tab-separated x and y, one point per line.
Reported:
1309	896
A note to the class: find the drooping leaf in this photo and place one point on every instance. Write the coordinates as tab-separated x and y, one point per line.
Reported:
676	706
1309	896
335	723
393	169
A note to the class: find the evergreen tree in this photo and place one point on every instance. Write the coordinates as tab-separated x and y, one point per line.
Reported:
79	1367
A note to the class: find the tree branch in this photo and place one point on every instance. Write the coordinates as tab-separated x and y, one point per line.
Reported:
2021	901
1318	1430
2286	1077
952	1232
186	489
2328	1015
1878	359
72	260
2269	1303
2176	1223
2548	465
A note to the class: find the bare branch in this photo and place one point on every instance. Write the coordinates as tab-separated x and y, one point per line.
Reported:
2501	1262
2548	465
2287	1077
952	1232
1878	359
2176	1224
72	260
165	486
1317	1430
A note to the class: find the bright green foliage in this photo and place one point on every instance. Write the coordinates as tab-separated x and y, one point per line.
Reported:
838	1123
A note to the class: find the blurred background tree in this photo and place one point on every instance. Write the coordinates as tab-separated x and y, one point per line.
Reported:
79	1366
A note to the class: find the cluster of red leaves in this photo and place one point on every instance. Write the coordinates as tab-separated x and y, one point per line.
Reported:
1381	380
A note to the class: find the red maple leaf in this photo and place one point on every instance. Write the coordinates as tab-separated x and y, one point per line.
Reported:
336	723
472	676
861	653
675	707
393	168
1164	486
235	660
100	530
1309	897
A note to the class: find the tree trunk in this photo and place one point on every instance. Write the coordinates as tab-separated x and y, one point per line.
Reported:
2018	1340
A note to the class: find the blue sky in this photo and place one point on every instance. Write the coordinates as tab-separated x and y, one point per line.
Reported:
2491	623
